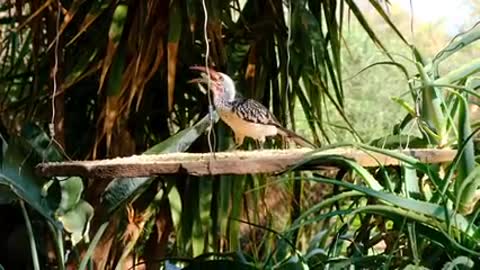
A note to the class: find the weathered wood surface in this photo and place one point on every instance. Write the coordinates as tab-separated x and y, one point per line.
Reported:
237	162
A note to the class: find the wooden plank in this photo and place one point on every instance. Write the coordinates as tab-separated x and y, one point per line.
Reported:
237	162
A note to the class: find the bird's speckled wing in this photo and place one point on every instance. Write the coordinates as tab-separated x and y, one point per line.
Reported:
253	111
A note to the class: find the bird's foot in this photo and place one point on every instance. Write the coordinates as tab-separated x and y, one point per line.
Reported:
260	144
233	147
286	143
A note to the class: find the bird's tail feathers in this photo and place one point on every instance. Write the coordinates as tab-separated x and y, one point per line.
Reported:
295	137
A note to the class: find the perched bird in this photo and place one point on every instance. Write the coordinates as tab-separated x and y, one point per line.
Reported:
246	117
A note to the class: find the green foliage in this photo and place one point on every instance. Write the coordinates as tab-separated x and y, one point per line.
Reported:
59	202
17	173
111	80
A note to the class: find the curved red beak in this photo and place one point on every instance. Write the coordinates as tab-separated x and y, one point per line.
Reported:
214	76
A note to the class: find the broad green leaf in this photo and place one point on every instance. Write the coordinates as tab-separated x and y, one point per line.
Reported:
71	192
181	141
17	173
120	190
77	221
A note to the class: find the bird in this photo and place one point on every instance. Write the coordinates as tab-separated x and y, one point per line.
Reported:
246	117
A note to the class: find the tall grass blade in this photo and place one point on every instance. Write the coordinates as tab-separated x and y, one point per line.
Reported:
31	237
460	73
457	44
91	247
467	163
431	211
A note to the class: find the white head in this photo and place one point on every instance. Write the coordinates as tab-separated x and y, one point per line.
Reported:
221	85
228	87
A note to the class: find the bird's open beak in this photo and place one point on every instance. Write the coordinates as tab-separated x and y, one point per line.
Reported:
214	76
202	79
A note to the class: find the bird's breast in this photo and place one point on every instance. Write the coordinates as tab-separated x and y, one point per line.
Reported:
246	128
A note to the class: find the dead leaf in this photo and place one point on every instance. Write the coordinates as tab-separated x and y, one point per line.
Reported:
172	51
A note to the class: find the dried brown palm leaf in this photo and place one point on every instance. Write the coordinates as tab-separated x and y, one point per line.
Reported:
147	69
174	34
97	9
147	58
149	42
107	120
67	19
172	51
114	37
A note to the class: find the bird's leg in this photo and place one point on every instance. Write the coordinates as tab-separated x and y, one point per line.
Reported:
286	143
283	142
260	143
238	142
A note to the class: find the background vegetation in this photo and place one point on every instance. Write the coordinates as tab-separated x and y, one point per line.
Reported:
98	79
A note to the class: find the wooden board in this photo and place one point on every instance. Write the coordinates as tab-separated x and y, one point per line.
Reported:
236	162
